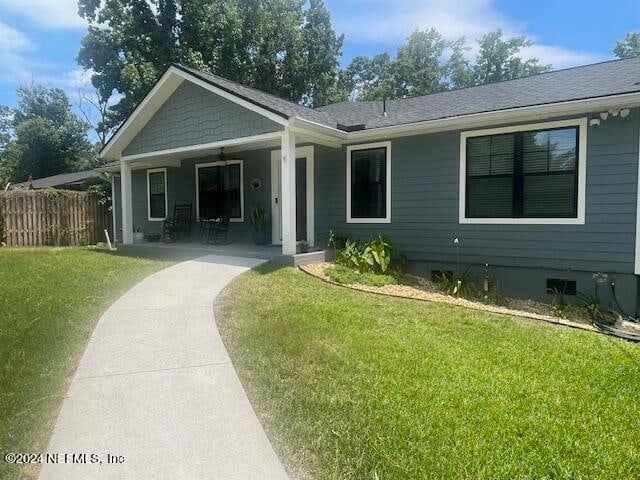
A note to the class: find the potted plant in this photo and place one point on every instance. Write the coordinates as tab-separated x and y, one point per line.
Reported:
138	235
259	220
303	246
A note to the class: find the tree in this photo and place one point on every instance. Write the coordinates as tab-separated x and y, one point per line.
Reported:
498	59
458	69
419	71
629	47
46	137
278	46
420	66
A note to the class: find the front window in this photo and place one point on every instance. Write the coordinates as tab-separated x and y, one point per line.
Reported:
368	170
157	189
220	190
530	174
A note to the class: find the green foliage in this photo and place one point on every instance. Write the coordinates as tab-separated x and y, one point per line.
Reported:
398	389
629	47
372	256
419	69
285	47
460	287
559	305
45	137
498	59
593	305
348	276
259	218
51	299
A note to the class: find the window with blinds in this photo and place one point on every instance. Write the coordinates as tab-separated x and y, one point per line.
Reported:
531	174
157	195
369	183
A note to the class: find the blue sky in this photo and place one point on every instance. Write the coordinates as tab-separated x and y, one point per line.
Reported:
39	39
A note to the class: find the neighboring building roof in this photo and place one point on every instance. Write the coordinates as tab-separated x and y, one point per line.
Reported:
603	79
62	180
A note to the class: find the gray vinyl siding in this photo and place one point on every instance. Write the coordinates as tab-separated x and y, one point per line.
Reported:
425	196
181	188
192	116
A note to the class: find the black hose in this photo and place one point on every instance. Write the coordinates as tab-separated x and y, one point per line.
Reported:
617	304
632	337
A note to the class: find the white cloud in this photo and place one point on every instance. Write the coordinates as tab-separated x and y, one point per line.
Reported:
383	21
14	65
48	13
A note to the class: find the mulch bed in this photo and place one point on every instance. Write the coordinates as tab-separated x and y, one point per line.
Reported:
427	291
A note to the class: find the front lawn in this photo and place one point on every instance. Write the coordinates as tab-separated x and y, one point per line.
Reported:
352	385
50	300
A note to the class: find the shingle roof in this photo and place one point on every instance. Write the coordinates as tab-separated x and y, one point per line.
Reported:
60	180
590	81
603	79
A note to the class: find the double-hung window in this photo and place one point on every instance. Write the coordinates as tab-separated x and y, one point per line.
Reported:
369	183
220	192
525	174
157	194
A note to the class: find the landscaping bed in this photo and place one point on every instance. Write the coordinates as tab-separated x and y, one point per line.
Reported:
418	288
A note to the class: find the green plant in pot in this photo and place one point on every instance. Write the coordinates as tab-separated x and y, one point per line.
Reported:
259	220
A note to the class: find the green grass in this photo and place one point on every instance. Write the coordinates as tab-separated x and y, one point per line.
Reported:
345	275
351	385
50	300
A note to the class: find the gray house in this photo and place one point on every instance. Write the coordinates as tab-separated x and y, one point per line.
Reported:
537	177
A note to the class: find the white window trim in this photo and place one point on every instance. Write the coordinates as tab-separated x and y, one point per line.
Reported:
582	125
220	163
368	146
166	195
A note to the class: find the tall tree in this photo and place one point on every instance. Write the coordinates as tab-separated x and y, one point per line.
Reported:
279	46
129	43
419	69
498	59
322	48
629	47
47	138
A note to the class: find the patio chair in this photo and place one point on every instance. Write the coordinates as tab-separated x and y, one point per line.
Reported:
220	231
179	227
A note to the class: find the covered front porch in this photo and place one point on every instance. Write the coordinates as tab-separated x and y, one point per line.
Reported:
273	173
218	151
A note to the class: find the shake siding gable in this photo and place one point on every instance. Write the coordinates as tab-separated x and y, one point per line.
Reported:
193	116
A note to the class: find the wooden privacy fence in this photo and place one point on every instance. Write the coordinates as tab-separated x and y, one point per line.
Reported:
59	217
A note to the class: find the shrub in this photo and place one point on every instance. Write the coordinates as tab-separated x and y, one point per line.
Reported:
460	287
373	256
559	305
593	305
347	276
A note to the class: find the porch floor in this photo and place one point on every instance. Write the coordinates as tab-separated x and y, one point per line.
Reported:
247	250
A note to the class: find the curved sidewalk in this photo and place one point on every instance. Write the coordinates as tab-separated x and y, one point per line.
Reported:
156	388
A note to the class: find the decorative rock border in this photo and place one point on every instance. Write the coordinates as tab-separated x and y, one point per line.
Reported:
406	291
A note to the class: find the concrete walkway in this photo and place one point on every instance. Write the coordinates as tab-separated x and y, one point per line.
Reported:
156	389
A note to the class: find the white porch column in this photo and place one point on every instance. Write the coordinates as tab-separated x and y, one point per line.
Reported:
126	202
288	200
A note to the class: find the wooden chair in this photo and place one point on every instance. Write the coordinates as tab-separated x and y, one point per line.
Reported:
179	226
